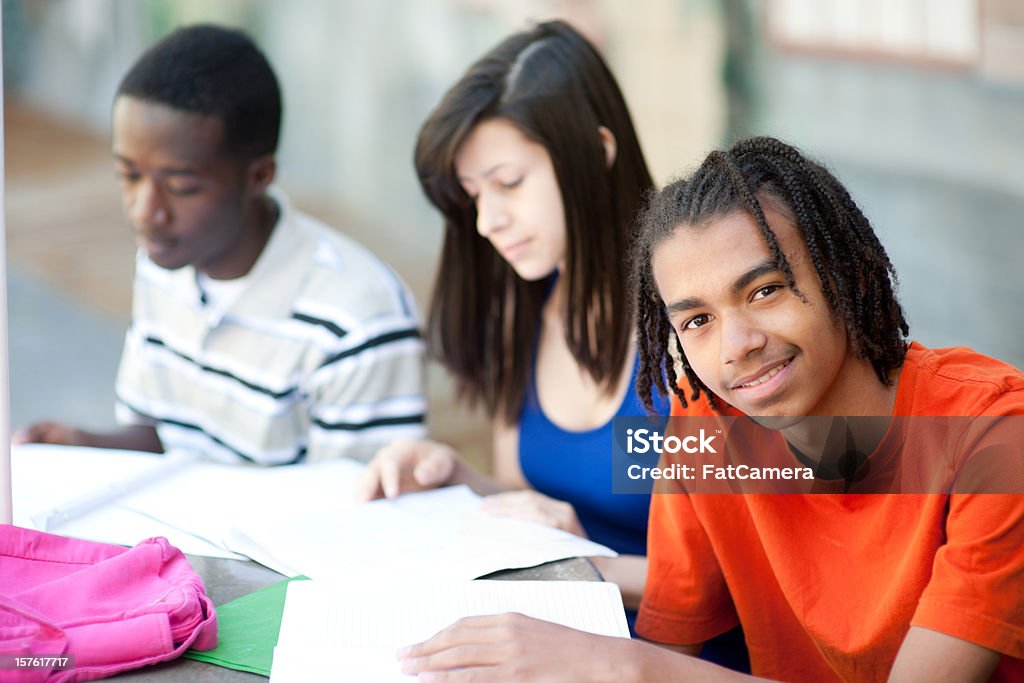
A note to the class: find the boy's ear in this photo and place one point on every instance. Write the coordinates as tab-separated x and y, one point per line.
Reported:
260	173
610	146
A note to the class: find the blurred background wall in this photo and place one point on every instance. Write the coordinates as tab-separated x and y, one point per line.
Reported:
918	105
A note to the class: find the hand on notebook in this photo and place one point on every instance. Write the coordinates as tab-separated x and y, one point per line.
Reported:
510	648
130	438
47	431
535	507
408	465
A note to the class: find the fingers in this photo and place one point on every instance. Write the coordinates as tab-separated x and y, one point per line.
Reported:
476	674
458	657
382	475
501	647
469	642
513	504
466	629
507	502
22	436
368	486
31	434
45	432
435	468
523	505
391	475
404	466
535	507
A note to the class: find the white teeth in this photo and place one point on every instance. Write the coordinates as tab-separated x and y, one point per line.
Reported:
766	376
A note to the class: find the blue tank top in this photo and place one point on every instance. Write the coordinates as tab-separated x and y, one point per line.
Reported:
577	467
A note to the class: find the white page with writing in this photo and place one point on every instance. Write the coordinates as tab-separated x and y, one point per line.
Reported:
343	631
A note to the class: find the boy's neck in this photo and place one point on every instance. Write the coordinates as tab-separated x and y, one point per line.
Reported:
866	400
259	222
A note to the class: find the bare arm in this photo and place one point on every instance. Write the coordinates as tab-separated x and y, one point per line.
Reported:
512	647
690	650
931	656
629	572
679	663
133	438
508	475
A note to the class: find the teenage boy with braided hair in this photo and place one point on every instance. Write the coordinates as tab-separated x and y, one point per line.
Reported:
778	298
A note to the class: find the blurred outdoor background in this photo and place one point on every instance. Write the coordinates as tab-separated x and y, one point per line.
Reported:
917	105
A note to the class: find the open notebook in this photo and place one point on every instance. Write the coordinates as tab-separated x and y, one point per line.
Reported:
195	504
348	632
295	519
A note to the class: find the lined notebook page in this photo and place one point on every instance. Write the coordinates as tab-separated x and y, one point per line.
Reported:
331	632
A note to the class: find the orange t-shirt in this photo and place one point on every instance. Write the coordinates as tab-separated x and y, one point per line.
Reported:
826	586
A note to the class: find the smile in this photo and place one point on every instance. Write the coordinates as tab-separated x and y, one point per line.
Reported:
766	376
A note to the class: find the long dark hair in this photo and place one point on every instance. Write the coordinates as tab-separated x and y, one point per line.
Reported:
854	272
484	319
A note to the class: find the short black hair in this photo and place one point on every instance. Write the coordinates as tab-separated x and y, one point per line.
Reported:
855	274
214	71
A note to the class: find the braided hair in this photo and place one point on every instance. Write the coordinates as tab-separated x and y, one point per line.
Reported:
856	276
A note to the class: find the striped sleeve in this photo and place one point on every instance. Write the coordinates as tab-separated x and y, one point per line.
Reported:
130	372
368	392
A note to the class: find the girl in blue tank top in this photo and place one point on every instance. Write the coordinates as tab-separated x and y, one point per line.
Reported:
533	161
574	466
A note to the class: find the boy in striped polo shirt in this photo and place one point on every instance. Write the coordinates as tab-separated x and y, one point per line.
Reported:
258	334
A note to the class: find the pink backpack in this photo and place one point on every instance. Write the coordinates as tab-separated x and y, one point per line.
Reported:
112	608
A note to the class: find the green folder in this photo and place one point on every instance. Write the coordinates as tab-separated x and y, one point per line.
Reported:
247	630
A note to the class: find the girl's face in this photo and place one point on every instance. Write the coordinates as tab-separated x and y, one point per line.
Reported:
518	202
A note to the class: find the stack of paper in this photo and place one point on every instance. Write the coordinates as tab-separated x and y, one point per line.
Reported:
340	631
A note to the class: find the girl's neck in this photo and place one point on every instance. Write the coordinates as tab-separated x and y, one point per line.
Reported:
554	309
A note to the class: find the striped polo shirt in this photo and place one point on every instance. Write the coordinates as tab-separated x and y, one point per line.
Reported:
317	356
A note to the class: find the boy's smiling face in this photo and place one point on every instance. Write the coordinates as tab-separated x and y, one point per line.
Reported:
753	341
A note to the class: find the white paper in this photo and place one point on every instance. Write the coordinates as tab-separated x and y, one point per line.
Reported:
295	520
442	534
196	507
214	499
335	631
46	477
